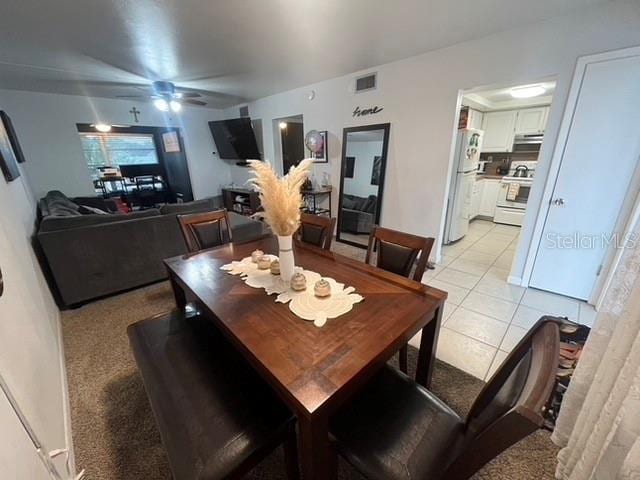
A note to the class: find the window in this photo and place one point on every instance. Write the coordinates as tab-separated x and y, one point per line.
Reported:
116	149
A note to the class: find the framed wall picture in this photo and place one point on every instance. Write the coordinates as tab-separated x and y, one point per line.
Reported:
375	171
350	165
8	159
171	142
13	138
321	156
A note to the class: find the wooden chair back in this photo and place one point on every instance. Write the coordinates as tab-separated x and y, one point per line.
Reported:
397	251
512	404
205	230
317	230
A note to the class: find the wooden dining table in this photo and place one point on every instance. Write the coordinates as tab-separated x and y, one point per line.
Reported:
315	370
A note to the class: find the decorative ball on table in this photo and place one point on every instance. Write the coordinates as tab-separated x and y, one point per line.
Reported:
322	288
264	263
256	255
298	282
275	267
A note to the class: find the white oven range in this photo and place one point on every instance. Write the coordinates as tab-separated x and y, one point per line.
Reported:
512	200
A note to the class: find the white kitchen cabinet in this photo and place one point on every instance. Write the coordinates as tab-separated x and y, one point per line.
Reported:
499	130
489	197
531	121
476	196
475	119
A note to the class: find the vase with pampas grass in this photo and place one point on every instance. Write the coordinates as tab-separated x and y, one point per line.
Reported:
281	200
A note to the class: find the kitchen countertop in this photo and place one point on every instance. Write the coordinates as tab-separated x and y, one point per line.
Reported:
489	176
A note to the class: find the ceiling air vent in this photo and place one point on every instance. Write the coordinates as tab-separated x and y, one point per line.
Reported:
368	82
244	111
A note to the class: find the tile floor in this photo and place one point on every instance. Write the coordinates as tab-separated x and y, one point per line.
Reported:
485	317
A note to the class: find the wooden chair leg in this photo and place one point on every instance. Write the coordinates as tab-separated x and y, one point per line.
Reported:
291	455
403	358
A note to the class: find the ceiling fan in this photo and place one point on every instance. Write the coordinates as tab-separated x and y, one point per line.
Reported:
167	97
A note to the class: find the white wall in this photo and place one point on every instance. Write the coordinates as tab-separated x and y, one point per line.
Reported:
30	351
419	96
46	126
364	152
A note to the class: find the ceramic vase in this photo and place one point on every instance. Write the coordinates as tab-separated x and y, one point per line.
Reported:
287	262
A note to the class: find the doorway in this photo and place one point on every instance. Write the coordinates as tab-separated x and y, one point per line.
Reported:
496	147
291	141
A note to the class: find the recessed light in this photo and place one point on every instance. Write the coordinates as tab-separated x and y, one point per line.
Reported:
175	106
282	125
102	127
527	91
161	104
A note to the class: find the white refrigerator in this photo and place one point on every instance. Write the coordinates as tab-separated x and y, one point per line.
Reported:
463	177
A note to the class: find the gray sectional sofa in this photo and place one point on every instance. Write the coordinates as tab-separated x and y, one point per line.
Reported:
90	255
358	213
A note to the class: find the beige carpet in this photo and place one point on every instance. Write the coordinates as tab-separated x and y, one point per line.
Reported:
113	430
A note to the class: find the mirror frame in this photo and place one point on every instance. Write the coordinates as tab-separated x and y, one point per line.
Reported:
386	128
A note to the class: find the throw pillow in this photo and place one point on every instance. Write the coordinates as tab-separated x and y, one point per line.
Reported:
87	210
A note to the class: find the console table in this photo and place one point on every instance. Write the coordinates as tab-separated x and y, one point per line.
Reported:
312	197
240	200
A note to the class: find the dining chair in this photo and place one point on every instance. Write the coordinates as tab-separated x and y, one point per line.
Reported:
216	416
205	230
397	252
316	230
397	429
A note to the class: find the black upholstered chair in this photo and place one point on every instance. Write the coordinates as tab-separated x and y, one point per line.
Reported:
397	252
396	429
217	418
205	230
316	230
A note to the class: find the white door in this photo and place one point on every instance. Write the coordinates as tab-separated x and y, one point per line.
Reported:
531	121
499	130
599	157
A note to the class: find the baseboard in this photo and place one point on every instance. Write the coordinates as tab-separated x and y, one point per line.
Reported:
66	404
515	280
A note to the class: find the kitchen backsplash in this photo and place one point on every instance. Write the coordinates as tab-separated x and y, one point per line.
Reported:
497	159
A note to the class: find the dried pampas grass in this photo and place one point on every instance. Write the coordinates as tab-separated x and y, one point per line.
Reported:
280	197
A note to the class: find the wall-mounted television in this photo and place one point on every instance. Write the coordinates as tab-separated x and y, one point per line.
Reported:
235	139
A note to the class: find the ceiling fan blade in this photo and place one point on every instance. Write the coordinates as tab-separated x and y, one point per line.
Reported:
194	102
188	95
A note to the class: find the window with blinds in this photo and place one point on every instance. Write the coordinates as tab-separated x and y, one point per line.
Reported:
116	149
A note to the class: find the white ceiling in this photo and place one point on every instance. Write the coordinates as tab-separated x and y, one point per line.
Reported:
233	50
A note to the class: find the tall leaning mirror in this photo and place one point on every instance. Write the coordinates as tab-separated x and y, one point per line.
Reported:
364	159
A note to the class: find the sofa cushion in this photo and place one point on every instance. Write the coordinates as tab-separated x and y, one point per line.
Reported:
369	205
88	210
245	229
57	204
198	206
53	223
348	202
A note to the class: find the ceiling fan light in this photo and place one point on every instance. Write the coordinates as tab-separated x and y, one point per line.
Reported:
175	106
528	91
102	127
161	104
